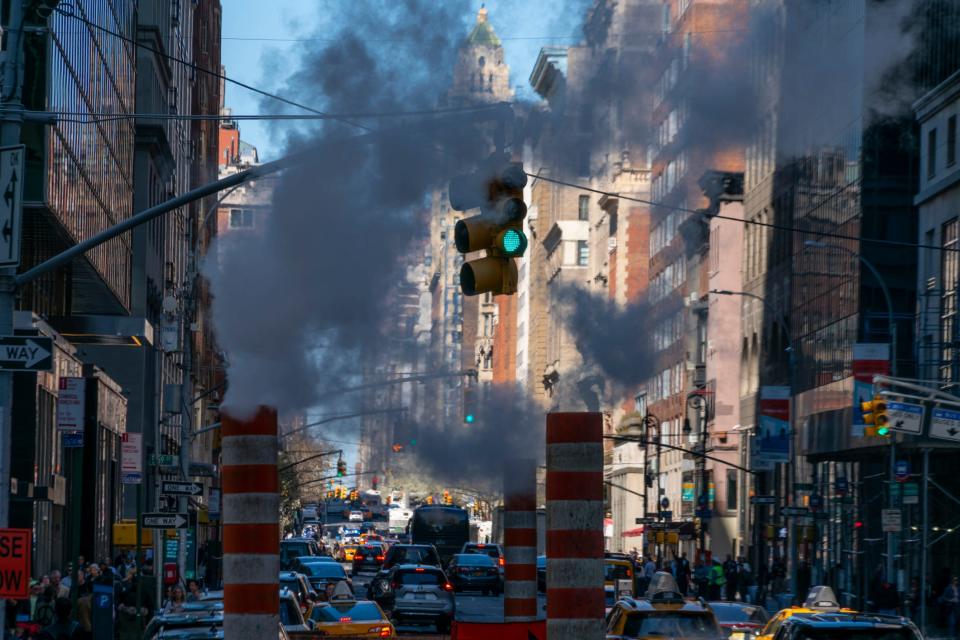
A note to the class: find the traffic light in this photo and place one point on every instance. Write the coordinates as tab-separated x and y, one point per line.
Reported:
469	403
341	467
429	499
497	190
876	421
447	498
397	447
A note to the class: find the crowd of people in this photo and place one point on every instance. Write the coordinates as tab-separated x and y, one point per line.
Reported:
732	579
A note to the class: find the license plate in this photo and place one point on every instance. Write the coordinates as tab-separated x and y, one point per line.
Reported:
479	573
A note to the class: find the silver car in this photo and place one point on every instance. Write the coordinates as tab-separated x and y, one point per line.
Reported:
414	594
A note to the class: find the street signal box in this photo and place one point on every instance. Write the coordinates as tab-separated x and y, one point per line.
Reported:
497	190
875	418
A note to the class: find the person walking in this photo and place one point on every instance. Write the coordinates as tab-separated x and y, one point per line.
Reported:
744	579
951	603
683	573
730	577
717	581
63	628
701	578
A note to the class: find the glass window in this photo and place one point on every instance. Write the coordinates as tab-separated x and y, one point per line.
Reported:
951	140
583	212
347	612
671	625
583	253
419	577
931	153
731	489
950	278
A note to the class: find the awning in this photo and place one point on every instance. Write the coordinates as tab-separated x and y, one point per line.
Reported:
632	533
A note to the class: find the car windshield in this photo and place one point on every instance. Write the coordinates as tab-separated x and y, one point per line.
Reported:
352	612
419	577
857	634
413	555
617	571
315	559
295	548
474	560
288	612
672	625
201	606
731	613
370	551
490	550
325	570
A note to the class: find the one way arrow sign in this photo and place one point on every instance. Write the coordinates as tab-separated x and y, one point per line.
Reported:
181	488
23	353
11	204
163	521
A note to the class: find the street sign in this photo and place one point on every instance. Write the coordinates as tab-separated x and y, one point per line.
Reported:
164	521
174	488
26	353
167	504
909	490
901	470
73	439
905	417
11	204
890	520
794	512
202	469
15	550
131	458
644	521
163	460
945	424
763	499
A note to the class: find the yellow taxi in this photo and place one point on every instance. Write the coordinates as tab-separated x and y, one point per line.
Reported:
664	614
820	599
346	617
347	553
616	568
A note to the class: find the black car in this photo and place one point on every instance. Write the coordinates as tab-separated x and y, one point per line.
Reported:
294	547
415	594
474	571
368	557
324	573
492	550
298	584
421	554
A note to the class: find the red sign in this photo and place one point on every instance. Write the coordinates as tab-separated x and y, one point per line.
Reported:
15	550
870	360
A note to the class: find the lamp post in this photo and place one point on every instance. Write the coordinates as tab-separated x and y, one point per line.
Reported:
791	370
892	329
650	423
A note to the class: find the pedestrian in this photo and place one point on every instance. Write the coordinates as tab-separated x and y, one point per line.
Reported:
45	613
84	611
175	602
717	581
683	573
887	599
63	628
778	576
127	625
195	593
951	604
744	578
911	600
730	577
762	580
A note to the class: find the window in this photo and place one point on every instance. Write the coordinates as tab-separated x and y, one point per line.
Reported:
584	208
931	153
731	489
951	140
612	229
950	279
583	253
241	218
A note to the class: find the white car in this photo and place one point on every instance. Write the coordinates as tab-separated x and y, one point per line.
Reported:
356	516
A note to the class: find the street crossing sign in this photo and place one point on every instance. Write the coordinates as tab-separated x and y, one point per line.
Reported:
794	512
945	424
173	488
164	521
11	204
26	353
905	417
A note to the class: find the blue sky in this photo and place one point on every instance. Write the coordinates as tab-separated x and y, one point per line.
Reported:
534	23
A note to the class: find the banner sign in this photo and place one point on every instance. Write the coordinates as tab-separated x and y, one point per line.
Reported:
869	359
772	442
71	404
131	458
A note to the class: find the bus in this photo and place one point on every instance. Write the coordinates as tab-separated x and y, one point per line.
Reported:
447	528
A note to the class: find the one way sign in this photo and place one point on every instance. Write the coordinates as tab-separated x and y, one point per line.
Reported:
164	521
181	488
26	353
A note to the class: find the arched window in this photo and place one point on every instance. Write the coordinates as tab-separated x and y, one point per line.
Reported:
490	86
481	61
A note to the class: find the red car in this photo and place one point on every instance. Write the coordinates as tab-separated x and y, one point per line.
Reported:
739	620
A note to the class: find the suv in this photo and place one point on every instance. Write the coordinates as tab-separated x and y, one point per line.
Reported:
294	547
492	550
415	593
368	556
844	625
665	614
421	554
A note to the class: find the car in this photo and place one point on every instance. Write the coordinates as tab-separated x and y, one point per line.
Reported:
300	586
665	615
291	616
616	569
740	621
355	516
368	556
542	574
196	621
844	625
211	633
475	571
820	599
299	562
495	551
413	593
344	616
421	554
347	552
323	573
294	547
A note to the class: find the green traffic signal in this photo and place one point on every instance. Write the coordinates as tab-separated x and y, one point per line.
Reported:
512	242
468	418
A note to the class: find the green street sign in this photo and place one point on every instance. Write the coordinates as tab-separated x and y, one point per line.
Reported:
163	460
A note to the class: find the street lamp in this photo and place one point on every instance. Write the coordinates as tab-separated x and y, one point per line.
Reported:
892	328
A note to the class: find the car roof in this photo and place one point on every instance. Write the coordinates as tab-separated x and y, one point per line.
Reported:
414	567
642	605
848	620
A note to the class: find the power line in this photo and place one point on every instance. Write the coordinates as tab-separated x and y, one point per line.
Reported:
70	14
770	225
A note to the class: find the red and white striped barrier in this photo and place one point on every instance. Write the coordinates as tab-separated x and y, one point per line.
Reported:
251	530
520	541
575	596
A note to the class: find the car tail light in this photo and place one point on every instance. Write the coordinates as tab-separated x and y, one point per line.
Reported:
345	619
501	561
382	632
448	586
358	557
379	558
419	569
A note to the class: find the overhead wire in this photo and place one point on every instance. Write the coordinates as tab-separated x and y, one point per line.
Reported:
770	225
